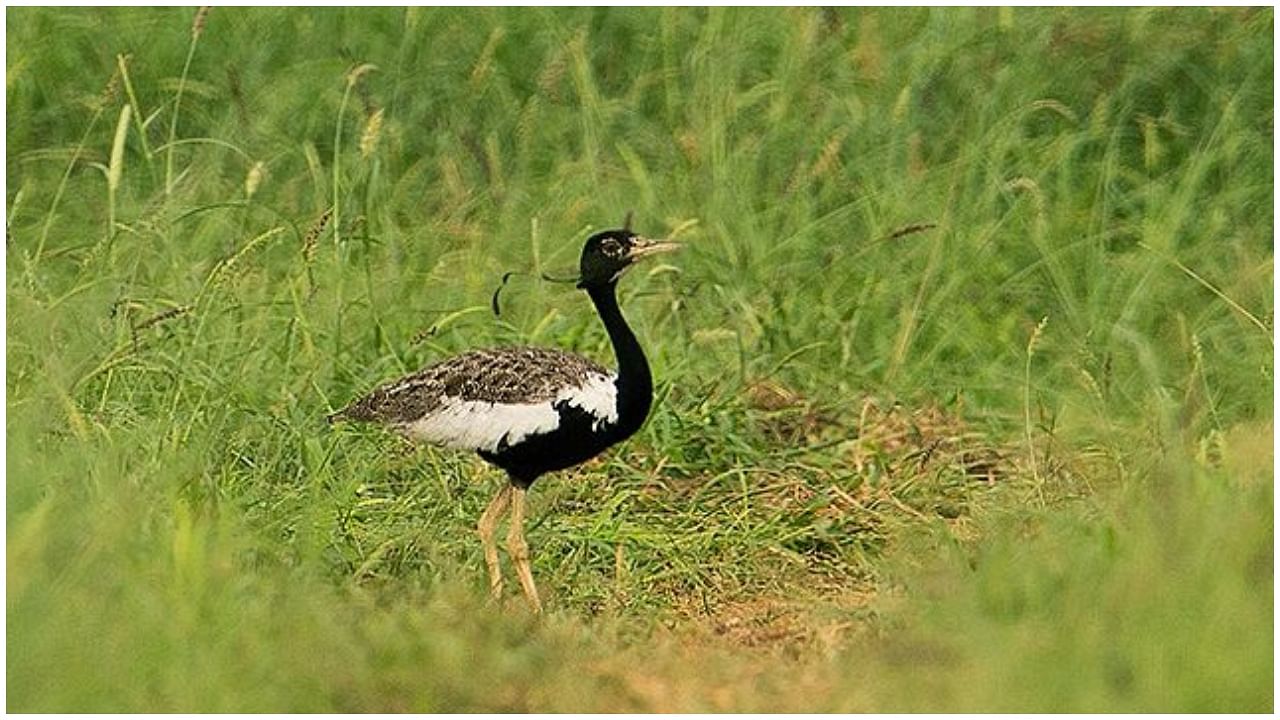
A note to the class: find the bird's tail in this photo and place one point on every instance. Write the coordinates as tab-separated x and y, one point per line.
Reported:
355	412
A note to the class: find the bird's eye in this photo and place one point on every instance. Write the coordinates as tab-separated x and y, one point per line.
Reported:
610	247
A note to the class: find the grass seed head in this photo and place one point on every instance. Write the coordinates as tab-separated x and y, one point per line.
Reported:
312	238
484	64
552	74
1034	340
115	167
110	92
829	158
254	178
163	317
197	23
372	132
355	74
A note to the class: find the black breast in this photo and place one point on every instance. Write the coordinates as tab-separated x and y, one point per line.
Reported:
578	437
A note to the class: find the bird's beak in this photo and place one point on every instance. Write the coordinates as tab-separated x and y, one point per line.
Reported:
644	247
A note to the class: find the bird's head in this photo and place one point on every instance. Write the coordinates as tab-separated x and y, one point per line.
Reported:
608	254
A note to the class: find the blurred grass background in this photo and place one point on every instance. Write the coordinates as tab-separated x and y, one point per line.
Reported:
1019	461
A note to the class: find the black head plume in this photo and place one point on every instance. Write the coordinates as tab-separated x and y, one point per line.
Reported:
497	311
497	292
605	256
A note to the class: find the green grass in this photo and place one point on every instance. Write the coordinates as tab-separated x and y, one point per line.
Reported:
1018	461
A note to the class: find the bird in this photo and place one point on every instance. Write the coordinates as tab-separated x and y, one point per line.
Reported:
529	410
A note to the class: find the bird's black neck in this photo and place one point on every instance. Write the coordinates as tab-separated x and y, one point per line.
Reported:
635	384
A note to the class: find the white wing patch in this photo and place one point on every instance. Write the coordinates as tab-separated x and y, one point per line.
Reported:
481	425
599	397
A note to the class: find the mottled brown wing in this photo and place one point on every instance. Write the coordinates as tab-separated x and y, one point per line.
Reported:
496	375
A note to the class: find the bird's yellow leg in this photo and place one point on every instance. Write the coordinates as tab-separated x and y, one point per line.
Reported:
488	523
519	549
